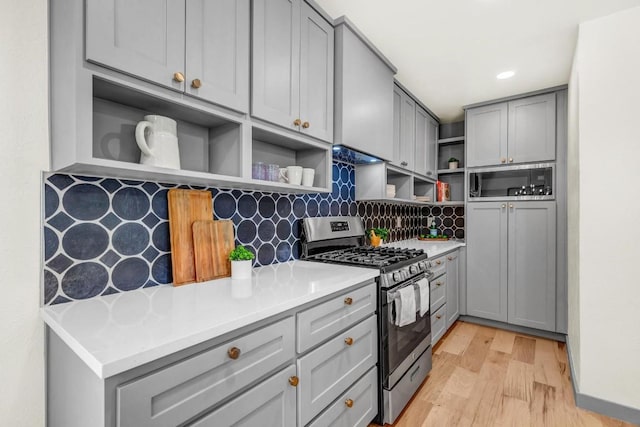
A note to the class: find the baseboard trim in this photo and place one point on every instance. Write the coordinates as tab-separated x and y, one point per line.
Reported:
515	328
601	406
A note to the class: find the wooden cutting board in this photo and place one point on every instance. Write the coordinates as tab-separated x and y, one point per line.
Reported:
212	242
185	207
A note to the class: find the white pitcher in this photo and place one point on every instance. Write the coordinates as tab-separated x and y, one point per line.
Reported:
160	148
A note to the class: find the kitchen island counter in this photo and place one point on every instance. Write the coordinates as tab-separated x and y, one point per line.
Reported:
118	332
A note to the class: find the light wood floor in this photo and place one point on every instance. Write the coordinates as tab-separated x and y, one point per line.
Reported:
489	377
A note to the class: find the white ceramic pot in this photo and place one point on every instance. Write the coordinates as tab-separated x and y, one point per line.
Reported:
241	269
157	137
453	165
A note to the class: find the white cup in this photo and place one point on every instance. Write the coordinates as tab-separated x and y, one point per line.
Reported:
307	177
294	175
283	175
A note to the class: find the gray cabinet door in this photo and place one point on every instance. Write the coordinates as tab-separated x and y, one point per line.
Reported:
487	260
217	52
397	121
275	95
272	402
532	129
487	135
532	264
316	75
453	289
404	153
144	38
422	121
432	142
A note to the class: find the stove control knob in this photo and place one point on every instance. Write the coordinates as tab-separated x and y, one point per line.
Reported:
413	269
396	277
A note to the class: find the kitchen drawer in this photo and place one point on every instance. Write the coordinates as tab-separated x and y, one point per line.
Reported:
329	370
437	263
325	320
175	394
363	398
273	399
438	324
438	292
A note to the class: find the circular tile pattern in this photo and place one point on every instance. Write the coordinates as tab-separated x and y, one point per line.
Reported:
224	205
85	241
130	203
85	280
50	243
85	202
130	238
130	273
160	237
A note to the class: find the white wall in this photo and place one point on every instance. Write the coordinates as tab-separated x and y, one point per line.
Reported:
608	112
24	149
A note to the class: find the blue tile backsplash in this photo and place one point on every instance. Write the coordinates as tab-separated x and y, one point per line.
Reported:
104	235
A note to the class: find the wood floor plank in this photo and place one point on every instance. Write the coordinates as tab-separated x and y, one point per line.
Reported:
522	381
519	381
524	349
503	341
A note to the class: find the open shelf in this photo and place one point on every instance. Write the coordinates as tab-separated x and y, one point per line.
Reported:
452	140
449	171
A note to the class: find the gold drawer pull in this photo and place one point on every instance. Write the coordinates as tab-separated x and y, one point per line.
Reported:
348	341
510	160
297	122
178	77
306	125
449	258
349	403
196	83
438	316
438	262
438	283
234	353
503	160
294	381
348	301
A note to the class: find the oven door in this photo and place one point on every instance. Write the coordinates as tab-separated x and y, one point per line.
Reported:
400	343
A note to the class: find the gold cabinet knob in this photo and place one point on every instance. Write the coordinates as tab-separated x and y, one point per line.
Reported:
503	160
348	341
438	316
234	353
348	301
511	205
306	125
449	258
438	262
438	283
297	122
510	159
178	77
294	381
196	83
503	206
349	403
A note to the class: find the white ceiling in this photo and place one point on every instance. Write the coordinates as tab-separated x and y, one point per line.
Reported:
448	52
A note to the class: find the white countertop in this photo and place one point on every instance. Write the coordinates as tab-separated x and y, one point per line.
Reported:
433	249
114	333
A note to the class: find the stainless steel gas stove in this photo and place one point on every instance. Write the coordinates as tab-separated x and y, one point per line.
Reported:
404	356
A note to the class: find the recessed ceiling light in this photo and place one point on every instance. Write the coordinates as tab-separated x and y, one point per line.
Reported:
506	75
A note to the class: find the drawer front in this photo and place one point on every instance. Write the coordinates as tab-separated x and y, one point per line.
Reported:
323	321
438	324
438	263
438	292
329	370
181	391
273	399
363	398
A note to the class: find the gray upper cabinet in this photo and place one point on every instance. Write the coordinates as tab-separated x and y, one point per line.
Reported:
532	264
487	135
363	95
404	146
431	143
217	52
519	131
487	260
421	142
532	129
201	48
292	70
144	38
453	288
511	262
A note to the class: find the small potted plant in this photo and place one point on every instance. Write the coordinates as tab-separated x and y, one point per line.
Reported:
453	163
377	235
241	261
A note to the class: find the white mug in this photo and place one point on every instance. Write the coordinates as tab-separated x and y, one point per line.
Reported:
294	175
307	177
160	147
283	175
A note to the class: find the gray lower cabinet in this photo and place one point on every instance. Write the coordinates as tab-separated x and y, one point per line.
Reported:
272	402
519	131
453	288
333	367
511	251
292	67
438	324
199	47
364	83
175	394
